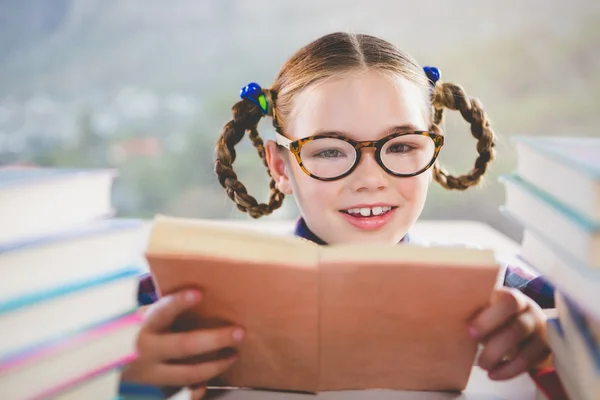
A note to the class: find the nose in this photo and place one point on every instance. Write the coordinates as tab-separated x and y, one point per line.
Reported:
368	175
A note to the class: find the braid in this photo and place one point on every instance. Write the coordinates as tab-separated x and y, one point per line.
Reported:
246	116
454	97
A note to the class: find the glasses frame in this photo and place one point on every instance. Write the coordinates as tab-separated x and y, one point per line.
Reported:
295	147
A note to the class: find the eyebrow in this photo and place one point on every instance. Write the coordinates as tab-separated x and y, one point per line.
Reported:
388	131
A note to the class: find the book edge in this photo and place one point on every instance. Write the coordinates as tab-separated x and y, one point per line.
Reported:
540	144
93	228
60	173
90	375
29	299
576	316
74	340
546	198
56	340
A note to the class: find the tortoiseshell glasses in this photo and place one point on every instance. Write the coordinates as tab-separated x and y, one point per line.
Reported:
329	157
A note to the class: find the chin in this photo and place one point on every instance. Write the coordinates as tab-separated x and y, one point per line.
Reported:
377	237
388	234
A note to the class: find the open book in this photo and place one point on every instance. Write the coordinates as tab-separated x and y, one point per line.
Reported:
320	318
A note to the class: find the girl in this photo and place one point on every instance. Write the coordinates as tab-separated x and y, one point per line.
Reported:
357	137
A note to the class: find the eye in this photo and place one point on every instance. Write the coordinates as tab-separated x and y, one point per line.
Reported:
401	148
329	153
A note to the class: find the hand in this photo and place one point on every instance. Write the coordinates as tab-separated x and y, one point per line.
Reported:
159	349
513	332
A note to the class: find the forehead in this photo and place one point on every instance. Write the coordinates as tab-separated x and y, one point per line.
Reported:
363	105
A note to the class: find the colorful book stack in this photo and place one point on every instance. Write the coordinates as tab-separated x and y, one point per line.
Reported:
555	196
68	285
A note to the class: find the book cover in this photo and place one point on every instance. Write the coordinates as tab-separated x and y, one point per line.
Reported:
321	318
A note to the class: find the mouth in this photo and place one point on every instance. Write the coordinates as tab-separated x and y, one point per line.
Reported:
367	217
368	211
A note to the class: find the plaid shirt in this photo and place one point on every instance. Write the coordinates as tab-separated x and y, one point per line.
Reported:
535	287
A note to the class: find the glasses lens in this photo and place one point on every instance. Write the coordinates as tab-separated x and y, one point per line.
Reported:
408	154
327	157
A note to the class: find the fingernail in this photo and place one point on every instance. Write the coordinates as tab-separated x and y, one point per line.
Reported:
473	332
191	296
238	334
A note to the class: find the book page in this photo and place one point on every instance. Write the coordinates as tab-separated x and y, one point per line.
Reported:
181	236
425	255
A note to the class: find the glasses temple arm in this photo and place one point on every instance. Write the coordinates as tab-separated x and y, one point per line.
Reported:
282	140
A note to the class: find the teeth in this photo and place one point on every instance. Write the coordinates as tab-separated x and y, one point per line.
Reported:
366	212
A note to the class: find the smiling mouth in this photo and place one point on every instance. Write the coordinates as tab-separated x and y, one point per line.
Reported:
368	212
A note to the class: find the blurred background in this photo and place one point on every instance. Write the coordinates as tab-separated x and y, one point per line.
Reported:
146	85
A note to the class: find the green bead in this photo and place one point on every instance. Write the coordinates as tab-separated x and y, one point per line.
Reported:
263	103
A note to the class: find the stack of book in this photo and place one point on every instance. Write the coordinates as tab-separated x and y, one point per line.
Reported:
555	196
68	285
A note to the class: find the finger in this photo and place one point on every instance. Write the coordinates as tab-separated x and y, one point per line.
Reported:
530	355
138	371
197	393
173	346
506	304
190	374
161	315
506	340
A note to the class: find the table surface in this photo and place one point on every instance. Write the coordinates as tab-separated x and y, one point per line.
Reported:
479	387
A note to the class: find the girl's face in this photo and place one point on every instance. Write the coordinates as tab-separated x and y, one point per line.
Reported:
361	106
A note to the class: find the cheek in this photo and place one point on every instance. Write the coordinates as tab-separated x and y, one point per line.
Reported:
413	190
313	196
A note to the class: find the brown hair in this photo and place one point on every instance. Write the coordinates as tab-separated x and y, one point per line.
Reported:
328	56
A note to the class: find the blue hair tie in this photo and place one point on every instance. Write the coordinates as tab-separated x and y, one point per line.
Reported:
433	74
254	93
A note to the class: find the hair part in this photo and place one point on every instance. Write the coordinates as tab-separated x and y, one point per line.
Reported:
327	57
